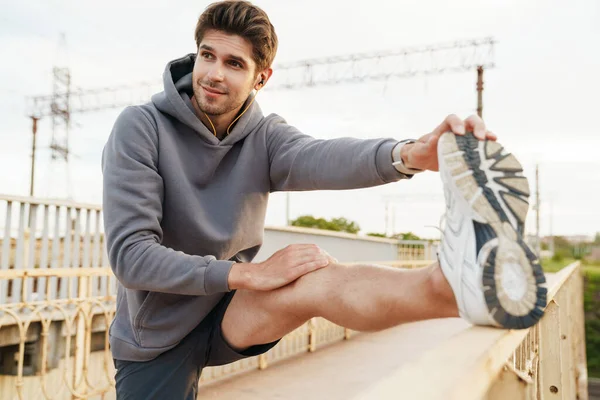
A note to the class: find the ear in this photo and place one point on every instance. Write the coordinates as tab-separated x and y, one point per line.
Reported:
262	78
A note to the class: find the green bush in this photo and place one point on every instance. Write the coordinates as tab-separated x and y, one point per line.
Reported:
561	254
592	319
375	234
336	224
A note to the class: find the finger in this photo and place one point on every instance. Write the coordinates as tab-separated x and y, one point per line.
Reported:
307	268
476	125
432	143
311	251
305	258
451	123
324	252
329	257
491	136
297	250
302	246
425	138
456	124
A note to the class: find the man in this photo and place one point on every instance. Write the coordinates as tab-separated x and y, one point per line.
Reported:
186	183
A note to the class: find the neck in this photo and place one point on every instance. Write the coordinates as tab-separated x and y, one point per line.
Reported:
220	122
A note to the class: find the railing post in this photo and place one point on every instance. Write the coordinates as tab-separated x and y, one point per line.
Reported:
262	362
347	333
81	335
19	256
30	251
550	357
563	298
6	252
312	335
579	339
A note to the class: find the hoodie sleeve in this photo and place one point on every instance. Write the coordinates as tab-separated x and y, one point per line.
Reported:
301	162
132	206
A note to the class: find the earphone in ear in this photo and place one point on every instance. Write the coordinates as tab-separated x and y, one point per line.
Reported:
262	82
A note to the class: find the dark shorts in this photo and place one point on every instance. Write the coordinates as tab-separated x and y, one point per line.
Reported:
174	374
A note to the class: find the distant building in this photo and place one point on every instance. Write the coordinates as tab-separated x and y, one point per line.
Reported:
576	239
573	239
594	254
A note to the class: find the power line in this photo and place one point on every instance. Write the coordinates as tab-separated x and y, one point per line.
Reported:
457	56
408	62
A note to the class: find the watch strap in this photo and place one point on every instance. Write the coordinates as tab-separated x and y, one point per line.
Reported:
397	159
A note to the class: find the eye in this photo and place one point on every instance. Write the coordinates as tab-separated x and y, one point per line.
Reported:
206	55
235	64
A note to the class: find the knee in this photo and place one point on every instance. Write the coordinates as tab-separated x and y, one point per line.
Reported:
304	297
313	289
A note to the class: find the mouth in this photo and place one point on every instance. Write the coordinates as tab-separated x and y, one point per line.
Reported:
212	92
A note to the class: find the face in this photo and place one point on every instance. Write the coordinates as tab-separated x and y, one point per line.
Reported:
224	73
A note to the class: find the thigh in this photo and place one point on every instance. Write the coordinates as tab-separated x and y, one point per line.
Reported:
172	375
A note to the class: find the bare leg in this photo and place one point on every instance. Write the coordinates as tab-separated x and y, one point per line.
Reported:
359	297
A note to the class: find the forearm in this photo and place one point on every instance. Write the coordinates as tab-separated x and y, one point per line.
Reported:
147	265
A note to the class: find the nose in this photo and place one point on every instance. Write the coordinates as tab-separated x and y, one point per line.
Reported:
215	73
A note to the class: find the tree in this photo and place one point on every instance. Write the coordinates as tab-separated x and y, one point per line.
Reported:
375	234
406	236
336	224
345	225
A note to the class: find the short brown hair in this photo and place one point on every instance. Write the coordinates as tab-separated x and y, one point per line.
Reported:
246	20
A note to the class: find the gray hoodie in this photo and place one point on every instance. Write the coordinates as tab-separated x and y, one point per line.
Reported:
180	206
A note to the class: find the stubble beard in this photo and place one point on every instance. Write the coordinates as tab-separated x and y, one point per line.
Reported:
210	106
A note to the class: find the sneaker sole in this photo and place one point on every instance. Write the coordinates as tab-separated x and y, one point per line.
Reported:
491	182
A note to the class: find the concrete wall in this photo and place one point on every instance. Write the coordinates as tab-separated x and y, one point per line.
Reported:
343	246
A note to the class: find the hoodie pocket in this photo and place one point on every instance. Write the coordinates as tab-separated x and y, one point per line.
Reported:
141	314
168	317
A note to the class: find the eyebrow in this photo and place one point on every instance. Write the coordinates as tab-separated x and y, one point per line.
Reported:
230	56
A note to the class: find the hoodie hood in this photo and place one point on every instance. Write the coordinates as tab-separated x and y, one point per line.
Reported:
175	101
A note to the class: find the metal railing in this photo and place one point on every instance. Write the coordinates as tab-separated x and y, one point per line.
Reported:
48	235
73	360
546	361
417	250
57	300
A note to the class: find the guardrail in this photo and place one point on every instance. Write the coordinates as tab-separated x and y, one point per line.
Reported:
546	361
57	300
48	234
69	341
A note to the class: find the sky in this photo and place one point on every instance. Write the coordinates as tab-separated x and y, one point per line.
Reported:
541	98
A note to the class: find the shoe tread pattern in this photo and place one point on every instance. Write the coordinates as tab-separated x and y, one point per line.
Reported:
509	313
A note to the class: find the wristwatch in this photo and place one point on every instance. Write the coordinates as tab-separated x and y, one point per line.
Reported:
397	159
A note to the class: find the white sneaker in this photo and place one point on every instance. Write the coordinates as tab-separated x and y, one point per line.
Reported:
496	278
